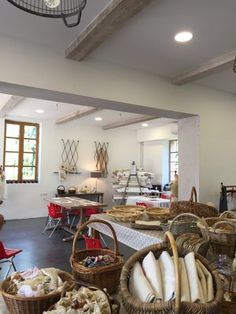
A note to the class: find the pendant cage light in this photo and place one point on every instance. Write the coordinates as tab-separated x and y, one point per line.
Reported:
64	9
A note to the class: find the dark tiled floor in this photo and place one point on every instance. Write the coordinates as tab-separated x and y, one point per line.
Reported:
38	249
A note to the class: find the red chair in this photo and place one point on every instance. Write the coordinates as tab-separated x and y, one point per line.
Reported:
7	256
55	217
87	213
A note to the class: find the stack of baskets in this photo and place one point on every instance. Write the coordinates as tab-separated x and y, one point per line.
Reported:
32	305
222	233
188	235
126	213
101	276
135	306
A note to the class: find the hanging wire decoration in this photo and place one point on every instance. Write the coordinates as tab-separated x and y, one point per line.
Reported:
69	155
101	157
64	9
234	66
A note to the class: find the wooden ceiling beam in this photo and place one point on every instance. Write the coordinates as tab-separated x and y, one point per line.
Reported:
128	122
77	115
110	19
215	65
9	105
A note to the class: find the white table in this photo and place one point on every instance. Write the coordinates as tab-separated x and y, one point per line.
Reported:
150	201
134	238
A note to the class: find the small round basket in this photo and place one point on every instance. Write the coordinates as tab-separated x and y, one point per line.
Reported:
135	306
222	234
123	215
129	208
101	276
158	213
34	305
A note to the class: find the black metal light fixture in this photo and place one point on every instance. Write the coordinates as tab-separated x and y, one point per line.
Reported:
234	66
64	9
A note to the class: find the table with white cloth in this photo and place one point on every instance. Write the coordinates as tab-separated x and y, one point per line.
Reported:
134	238
149	201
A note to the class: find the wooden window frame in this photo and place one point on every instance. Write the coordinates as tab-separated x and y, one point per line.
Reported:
21	150
170	153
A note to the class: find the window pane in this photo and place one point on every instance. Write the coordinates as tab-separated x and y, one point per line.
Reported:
12	130
174	157
30	131
11	173
174	166
29	159
12	144
30	146
28	173
11	159
173	146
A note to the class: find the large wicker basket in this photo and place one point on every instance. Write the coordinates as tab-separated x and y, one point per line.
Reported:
101	276
221	242
192	206
34	305
113	303
135	306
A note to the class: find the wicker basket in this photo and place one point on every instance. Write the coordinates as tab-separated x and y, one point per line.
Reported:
110	300
135	306
188	234
129	208
158	213
222	242
101	276
34	305
192	206
123	215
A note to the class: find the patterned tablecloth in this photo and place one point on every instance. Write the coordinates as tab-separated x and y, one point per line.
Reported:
149	201
134	238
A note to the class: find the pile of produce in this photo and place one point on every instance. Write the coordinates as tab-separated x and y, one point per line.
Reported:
82	301
35	282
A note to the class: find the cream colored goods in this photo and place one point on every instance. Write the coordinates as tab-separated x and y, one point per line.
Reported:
139	285
185	292
82	301
152	271
168	275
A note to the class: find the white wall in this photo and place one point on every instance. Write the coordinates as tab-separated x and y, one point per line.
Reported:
27	200
188	135
65	80
156	159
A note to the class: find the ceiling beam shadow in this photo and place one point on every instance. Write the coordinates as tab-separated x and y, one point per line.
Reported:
77	115
215	65
128	122
9	105
108	21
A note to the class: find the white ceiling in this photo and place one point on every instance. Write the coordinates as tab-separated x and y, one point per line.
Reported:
26	109
146	41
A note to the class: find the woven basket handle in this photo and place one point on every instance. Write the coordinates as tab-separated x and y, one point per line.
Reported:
228	214
202	221
193	195
168	236
83	226
228	223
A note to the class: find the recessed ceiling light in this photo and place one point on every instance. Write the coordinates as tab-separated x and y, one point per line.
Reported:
183	37
98	119
145	124
39	111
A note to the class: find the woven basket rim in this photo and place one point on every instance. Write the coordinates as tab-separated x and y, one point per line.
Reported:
137	304
29	299
76	265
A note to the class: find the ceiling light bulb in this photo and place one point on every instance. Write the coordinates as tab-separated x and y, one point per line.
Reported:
98	119
39	111
52	4
145	124
183	37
